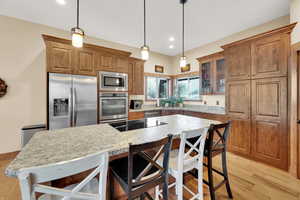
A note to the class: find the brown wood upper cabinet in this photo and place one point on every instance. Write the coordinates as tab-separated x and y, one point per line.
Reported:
212	72
122	64
60	58
105	61
136	76
85	62
238	62
270	56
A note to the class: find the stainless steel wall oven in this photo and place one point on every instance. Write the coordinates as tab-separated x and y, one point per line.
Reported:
113	106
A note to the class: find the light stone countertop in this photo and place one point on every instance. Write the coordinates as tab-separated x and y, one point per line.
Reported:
50	147
202	109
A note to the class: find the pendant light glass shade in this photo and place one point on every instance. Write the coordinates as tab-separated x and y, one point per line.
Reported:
145	52
182	61
77	37
77	33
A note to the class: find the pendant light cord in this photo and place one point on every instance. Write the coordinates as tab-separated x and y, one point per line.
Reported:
145	22
77	13
183	28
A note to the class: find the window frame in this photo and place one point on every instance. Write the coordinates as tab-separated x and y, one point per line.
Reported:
157	80
189	78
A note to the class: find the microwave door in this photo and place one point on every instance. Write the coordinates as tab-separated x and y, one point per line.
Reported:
60	101
85	100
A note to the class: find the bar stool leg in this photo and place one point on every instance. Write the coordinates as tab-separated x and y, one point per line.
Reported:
210	178
165	188
157	193
111	185
225	172
179	186
200	179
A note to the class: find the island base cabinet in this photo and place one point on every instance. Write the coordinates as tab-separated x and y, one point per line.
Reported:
240	137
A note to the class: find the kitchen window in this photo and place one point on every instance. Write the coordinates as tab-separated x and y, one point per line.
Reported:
188	88
157	87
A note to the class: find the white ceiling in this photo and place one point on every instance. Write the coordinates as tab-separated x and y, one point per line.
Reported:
122	20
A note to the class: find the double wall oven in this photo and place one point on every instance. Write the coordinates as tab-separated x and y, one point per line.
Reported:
113	97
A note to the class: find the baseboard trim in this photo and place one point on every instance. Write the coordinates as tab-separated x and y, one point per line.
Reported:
9	156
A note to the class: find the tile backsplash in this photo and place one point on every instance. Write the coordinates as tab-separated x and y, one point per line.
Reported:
209	100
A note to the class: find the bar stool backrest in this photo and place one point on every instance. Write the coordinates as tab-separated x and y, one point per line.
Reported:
147	177
30	178
217	137
191	148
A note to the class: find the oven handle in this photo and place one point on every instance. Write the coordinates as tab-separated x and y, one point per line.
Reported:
111	121
108	98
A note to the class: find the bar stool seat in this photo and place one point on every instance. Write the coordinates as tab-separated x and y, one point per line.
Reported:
173	163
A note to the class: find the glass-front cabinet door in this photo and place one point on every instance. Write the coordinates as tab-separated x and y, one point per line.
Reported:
220	76
206	84
212	74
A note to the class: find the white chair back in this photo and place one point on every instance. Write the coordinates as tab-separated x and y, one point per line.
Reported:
195	151
30	178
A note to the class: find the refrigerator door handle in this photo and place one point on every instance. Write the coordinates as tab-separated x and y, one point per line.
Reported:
71	107
75	107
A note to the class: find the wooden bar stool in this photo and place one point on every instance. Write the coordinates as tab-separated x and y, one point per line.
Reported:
216	144
31	178
140	171
188	157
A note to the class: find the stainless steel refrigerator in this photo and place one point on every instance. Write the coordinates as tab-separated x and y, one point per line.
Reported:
72	100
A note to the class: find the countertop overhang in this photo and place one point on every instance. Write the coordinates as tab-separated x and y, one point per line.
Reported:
201	109
55	146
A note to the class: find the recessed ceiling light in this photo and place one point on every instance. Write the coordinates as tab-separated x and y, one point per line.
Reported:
171	46
171	39
61	2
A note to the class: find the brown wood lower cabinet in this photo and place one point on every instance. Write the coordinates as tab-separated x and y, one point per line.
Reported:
136	115
171	112
269	121
240	137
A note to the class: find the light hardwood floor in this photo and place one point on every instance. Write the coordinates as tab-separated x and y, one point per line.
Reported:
249	181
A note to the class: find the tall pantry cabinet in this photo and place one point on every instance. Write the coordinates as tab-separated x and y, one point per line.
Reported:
257	96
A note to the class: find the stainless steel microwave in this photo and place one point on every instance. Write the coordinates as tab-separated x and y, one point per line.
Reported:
111	81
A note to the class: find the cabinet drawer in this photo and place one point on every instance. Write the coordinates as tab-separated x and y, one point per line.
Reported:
136	115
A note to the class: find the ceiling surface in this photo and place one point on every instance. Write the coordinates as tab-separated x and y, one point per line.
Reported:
122	20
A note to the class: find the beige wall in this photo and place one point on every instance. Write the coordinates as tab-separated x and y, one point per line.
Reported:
295	17
23	65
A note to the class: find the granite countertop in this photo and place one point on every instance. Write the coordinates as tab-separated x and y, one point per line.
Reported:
50	147
203	109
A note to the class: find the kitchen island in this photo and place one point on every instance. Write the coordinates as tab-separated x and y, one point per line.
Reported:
51	147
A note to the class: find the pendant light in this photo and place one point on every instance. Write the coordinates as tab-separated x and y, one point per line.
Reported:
183	58
145	48
77	33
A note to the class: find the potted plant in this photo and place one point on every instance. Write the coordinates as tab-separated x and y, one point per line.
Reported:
180	102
